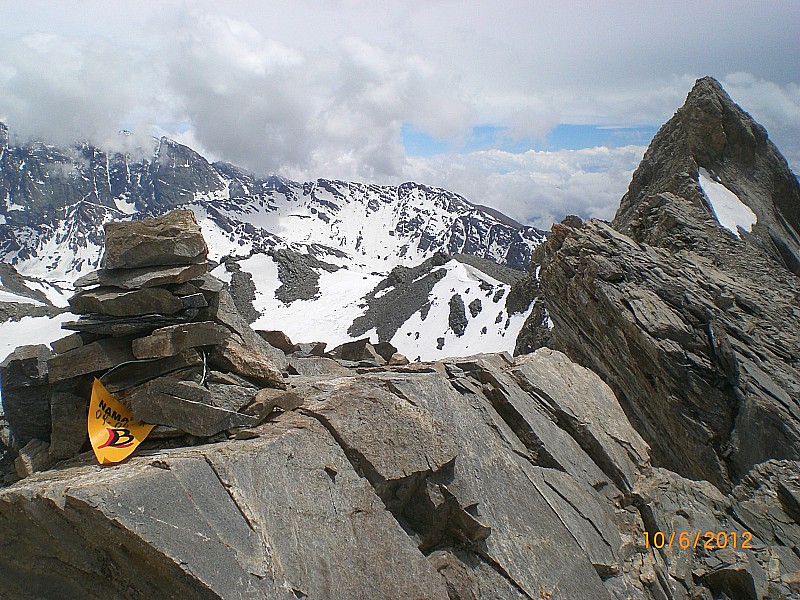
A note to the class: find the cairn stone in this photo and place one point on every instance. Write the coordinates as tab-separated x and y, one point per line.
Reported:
279	340
126	303
172	239
170	341
134	279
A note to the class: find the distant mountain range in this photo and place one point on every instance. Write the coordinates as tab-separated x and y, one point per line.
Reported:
322	260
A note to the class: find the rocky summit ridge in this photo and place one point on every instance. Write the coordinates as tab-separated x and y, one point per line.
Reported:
644	446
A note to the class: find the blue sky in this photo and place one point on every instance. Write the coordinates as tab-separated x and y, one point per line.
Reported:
562	137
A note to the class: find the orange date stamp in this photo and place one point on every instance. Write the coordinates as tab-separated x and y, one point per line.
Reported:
707	540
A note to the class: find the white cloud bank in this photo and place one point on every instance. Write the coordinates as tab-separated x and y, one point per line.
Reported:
310	89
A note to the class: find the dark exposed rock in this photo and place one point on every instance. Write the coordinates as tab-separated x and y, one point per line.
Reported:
317	365
457	319
408	291
68	417
242	290
172	239
26	395
298	274
125	326
137	373
475	307
70	342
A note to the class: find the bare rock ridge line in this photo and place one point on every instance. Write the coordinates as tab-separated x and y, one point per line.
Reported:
666	408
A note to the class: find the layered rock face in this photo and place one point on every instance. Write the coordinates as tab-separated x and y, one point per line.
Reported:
695	328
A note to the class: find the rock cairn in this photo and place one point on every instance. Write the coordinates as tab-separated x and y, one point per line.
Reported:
162	334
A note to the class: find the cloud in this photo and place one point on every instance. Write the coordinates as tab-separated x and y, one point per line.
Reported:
535	187
65	89
325	89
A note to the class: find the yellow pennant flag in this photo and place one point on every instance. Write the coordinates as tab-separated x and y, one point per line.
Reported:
112	431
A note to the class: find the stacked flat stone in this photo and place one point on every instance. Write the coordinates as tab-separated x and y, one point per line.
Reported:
182	356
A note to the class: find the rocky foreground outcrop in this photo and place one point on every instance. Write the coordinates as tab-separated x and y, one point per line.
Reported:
482	477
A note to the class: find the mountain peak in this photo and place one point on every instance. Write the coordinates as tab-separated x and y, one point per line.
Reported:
712	139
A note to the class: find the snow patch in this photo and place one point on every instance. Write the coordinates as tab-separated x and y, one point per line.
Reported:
10	297
728	209
325	318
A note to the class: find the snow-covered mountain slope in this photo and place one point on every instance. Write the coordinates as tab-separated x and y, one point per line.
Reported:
313	259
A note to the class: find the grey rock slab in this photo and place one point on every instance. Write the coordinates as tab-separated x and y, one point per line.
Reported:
97	356
231	397
197	300
317	365
184	405
125	303
585	406
145	277
169	531
588	517
394	438
528	540
68	415
67	343
171	239
279	340
336	538
137	373
527	415
169	341
255	519
469	577
26	366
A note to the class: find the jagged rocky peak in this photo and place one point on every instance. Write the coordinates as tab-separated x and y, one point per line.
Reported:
693	323
714	158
